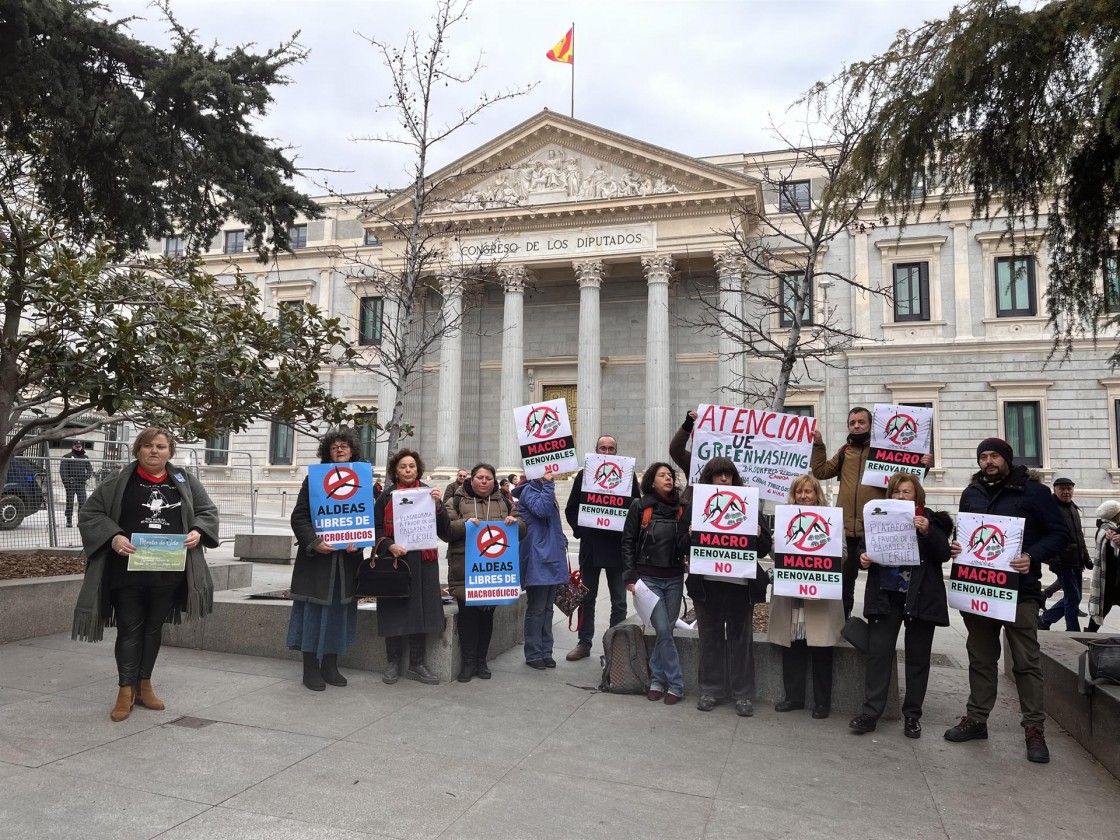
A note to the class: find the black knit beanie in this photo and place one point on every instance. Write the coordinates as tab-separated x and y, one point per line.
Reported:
998	446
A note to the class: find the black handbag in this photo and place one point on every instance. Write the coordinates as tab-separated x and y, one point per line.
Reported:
383	577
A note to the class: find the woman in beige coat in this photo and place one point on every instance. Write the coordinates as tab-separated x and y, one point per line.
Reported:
807	629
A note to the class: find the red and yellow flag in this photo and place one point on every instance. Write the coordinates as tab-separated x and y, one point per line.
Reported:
564	51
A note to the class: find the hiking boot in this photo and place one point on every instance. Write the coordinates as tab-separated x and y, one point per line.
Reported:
1036	746
706	703
863	724
968	729
578	652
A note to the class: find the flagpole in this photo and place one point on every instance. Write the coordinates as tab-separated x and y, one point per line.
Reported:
573	53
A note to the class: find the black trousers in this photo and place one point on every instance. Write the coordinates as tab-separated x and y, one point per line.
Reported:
883	635
849	572
615	585
723	623
74	492
795	658
140	614
476	626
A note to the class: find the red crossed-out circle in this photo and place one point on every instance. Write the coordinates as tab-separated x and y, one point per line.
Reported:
609	475
341	483
901	426
805	526
542	421
721	508
492	542
987	535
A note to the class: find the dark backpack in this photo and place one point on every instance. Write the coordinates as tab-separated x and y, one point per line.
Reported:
624	660
840	459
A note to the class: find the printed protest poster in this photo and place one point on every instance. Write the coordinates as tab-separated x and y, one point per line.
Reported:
889	532
981	580
492	565
900	436
341	497
770	449
414	518
158	553
724	531
808	545
544	434
605	492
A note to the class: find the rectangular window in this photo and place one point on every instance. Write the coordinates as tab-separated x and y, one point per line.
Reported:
366	427
289	314
790	281
1112	283
234	242
794	195
933	425
1023	424
1015	287
911	291
369	321
297	237
217	449
799	410
281	444
370	239
174	246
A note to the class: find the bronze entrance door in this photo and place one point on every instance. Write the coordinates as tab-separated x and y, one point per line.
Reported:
568	393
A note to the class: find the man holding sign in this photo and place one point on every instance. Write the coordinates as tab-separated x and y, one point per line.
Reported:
1003	489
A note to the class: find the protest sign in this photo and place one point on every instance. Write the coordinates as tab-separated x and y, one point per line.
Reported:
491	564
889	532
341	497
605	491
158	553
724	531
414	519
900	436
544	434
770	449
981	580
808	545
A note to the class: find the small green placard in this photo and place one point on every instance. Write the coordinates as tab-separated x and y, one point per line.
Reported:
158	553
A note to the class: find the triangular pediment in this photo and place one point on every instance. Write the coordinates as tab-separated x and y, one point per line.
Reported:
556	162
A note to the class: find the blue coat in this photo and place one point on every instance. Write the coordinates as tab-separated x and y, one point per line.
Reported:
544	549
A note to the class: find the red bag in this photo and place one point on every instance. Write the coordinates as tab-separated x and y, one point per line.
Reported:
570	597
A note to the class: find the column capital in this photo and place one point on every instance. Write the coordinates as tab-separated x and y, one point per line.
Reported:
514	277
659	268
590	273
730	267
451	284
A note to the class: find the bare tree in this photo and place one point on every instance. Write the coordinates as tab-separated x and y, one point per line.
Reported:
407	218
782	316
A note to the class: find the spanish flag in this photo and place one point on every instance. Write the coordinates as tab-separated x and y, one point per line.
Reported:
564	51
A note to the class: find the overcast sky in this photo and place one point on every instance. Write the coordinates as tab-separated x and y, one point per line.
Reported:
701	77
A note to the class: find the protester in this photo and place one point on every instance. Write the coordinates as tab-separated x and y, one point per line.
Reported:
75	470
421	613
724	615
479	500
1104	581
1069	564
324	618
452	488
150	496
807	629
506	489
910	595
544	566
1004	489
600	550
654	540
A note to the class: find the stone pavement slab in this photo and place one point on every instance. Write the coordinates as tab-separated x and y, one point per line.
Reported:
227	824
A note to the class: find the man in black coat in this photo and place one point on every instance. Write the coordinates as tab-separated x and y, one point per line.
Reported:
599	550
1070	563
1003	489
75	470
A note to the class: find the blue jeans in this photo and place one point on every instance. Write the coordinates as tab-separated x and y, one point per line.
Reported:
664	663
538	622
1068	604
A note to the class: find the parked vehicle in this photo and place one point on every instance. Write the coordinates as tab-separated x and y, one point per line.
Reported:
22	494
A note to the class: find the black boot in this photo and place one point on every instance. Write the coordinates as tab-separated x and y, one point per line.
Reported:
329	670
312	678
468	669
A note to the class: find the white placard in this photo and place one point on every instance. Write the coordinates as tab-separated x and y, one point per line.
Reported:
414	519
605	491
544	434
981	581
900	436
808	546
889	533
724	531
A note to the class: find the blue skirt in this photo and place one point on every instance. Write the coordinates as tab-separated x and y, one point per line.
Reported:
319	629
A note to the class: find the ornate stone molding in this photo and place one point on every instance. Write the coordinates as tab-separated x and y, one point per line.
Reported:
591	273
659	268
730	268
514	277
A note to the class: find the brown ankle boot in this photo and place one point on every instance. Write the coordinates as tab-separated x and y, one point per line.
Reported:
146	697
123	709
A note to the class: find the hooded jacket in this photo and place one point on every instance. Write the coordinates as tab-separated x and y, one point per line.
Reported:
451	527
544	551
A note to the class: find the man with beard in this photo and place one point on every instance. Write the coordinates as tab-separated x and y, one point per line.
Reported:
453	488
1003	489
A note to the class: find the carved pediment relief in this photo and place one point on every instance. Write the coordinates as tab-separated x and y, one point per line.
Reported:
553	175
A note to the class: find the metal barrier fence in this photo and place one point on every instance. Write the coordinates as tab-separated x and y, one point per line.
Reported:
33	504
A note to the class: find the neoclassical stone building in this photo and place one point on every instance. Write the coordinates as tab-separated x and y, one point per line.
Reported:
601	248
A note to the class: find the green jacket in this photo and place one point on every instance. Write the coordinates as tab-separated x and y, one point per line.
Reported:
98	525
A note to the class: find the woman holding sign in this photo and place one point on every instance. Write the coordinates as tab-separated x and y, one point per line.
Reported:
807	629
324	618
421	612
910	595
478	500
150	496
654	542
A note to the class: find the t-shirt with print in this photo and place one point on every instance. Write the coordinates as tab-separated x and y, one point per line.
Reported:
149	506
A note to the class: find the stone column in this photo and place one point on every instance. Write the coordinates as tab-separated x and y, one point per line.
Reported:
450	375
589	377
962	292
513	279
731	368
391	333
659	271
